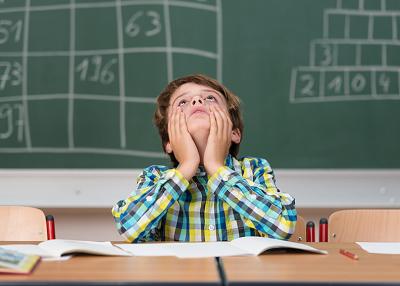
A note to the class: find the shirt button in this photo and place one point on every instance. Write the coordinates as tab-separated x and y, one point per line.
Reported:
225	178
148	198
211	227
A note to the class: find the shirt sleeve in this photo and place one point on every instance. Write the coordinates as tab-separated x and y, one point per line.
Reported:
137	217
254	195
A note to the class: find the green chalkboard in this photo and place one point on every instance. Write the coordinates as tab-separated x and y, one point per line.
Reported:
319	80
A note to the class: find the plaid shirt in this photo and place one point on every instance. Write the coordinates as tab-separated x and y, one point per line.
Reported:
240	199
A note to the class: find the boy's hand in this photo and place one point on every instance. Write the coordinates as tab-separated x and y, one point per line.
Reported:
182	144
219	140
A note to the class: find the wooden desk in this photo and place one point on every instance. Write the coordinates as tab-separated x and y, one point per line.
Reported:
271	268
303	268
107	270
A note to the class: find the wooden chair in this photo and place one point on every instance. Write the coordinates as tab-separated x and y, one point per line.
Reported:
18	223
378	225
299	234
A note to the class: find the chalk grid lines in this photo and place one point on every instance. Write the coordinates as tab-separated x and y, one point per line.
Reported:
15	56
357	58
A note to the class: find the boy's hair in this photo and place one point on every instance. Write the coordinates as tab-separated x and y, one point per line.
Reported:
161	113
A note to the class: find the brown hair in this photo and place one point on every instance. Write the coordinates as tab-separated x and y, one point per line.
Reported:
161	113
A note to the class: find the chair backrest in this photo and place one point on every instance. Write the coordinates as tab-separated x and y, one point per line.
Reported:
299	234
378	225
18	223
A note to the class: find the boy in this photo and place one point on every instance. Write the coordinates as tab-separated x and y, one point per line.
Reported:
209	195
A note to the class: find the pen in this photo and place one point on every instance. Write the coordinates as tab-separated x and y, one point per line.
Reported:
349	254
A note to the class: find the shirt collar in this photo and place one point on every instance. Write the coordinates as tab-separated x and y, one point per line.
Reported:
229	161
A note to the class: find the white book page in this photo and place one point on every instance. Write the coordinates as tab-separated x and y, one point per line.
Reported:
183	249
59	247
148	249
256	245
381	247
208	249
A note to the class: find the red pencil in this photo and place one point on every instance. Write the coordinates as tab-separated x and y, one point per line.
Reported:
349	254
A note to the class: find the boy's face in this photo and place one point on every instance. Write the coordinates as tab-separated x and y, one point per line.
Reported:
195	100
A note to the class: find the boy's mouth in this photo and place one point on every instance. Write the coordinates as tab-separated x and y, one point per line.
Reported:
198	110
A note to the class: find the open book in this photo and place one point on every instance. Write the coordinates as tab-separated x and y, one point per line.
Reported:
381	247
55	248
241	246
16	262
237	247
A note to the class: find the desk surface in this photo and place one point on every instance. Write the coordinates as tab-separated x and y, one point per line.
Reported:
298	267
123	270
270	268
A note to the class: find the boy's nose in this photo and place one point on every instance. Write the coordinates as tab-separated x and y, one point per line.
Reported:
199	100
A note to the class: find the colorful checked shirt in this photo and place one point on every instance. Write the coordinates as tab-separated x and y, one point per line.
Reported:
240	199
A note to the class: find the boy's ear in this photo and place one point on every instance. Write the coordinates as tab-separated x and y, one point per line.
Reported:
236	136
168	148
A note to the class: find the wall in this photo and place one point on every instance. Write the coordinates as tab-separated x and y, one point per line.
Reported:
103	188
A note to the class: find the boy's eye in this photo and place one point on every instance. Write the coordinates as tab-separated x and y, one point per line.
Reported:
182	102
210	97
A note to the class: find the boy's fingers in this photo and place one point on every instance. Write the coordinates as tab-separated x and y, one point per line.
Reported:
185	122
171	114
229	124
174	124
226	124
220	122
229	118
178	122
170	122
213	121
182	123
171	129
